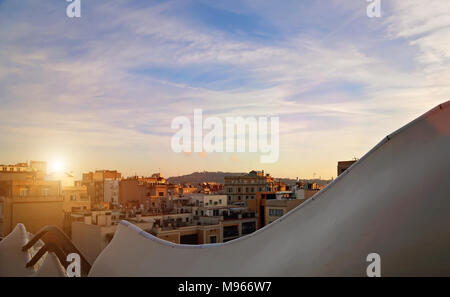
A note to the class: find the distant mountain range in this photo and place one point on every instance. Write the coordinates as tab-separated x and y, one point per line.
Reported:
200	177
219	177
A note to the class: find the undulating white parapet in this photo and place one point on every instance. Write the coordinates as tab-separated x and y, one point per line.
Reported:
393	203
50	267
13	260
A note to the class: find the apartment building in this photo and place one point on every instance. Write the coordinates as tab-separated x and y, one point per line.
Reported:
205	200
153	193
32	202
23	171
209	224
103	187
149	192
344	165
244	187
234	221
276	208
211	187
269	206
190	234
76	198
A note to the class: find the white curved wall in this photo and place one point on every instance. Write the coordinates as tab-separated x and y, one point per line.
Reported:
395	202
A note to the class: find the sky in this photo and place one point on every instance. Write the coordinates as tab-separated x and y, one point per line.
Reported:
101	91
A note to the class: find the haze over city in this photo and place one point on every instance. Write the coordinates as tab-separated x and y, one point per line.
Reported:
101	93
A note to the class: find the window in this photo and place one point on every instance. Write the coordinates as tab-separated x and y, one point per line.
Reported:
161	194
248	227
239	190
239	197
44	191
275	212
230	231
212	239
23	192
220	201
189	239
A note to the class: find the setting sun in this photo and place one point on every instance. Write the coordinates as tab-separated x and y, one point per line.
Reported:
57	166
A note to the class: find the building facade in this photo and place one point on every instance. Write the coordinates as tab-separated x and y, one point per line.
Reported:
148	192
244	187
102	187
23	171
76	198
344	165
34	203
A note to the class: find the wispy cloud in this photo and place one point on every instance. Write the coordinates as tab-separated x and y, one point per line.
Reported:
115	78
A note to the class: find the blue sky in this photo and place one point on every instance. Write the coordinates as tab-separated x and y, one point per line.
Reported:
100	91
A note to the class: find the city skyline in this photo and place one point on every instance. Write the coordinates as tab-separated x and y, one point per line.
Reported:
100	92
56	170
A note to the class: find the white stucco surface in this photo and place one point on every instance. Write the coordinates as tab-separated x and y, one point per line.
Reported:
395	201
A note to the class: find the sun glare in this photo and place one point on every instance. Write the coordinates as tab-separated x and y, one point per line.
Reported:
57	166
